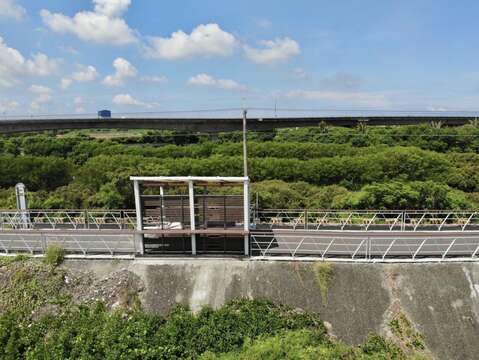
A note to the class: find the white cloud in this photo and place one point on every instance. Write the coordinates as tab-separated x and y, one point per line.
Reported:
43	96
103	25
13	64
205	40
84	74
202	80
124	70
111	8
40	89
8	8
155	79
273	51
339	97
208	80
127	100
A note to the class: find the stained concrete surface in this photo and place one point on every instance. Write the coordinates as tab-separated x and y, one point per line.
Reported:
441	300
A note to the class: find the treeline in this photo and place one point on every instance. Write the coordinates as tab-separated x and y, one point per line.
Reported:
290	168
295	143
352	172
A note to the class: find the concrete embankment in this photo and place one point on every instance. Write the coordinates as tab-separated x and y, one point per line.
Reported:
438	301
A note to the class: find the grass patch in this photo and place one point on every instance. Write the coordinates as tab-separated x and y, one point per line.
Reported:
402	328
28	286
323	273
7	260
54	256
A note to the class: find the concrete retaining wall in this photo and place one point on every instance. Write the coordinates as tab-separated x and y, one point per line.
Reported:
440	300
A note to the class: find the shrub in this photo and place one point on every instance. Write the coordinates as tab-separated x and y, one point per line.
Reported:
54	255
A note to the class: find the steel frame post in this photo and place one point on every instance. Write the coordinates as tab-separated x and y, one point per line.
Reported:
191	198
448	248
419	249
139	243
246	210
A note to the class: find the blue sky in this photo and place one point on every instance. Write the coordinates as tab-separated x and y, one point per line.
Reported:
156	55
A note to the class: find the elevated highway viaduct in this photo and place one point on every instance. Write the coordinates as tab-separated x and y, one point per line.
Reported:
214	125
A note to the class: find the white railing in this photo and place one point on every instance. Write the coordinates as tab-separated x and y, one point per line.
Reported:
356	220
87	242
367	220
365	247
68	219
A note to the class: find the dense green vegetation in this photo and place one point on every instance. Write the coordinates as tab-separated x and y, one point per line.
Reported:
416	167
40	320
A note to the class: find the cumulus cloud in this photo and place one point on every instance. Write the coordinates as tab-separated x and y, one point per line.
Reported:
84	74
128	100
13	64
273	51
208	80
205	40
111	8
10	9
42	94
123	71
341	97
103	25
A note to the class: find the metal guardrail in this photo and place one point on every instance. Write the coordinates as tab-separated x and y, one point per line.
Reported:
367	220
81	242
292	234
358	246
68	219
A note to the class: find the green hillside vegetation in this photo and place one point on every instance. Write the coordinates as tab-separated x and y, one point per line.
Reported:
40	319
414	167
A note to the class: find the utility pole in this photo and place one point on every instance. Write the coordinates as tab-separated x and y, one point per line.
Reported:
245	150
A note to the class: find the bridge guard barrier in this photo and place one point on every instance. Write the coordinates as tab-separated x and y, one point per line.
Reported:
81	243
365	246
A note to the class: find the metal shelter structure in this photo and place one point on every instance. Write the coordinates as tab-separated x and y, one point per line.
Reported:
191	219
